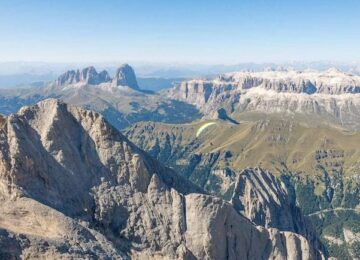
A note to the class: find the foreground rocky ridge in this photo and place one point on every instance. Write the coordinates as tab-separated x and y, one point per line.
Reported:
72	186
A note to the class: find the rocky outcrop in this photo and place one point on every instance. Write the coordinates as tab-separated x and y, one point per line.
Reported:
2	120
87	75
125	76
71	186
222	115
352	239
270	202
265	200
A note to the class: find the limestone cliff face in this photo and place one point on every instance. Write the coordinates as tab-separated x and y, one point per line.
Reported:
330	94
71	186
267	201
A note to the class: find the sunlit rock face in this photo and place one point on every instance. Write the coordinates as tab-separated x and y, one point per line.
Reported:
267	201
331	94
72	186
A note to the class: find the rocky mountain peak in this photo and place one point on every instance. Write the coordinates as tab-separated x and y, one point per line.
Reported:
125	76
94	193
69	77
88	75
91	76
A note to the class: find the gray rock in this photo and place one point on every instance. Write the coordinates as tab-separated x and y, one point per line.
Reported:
267	201
87	75
71	186
331	95
125	76
90	76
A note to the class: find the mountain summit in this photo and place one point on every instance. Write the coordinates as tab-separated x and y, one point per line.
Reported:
87	75
124	76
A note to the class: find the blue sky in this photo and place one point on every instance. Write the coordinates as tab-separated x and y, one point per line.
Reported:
197	31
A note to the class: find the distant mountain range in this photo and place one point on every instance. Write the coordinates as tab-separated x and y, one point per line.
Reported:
331	95
25	73
119	98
